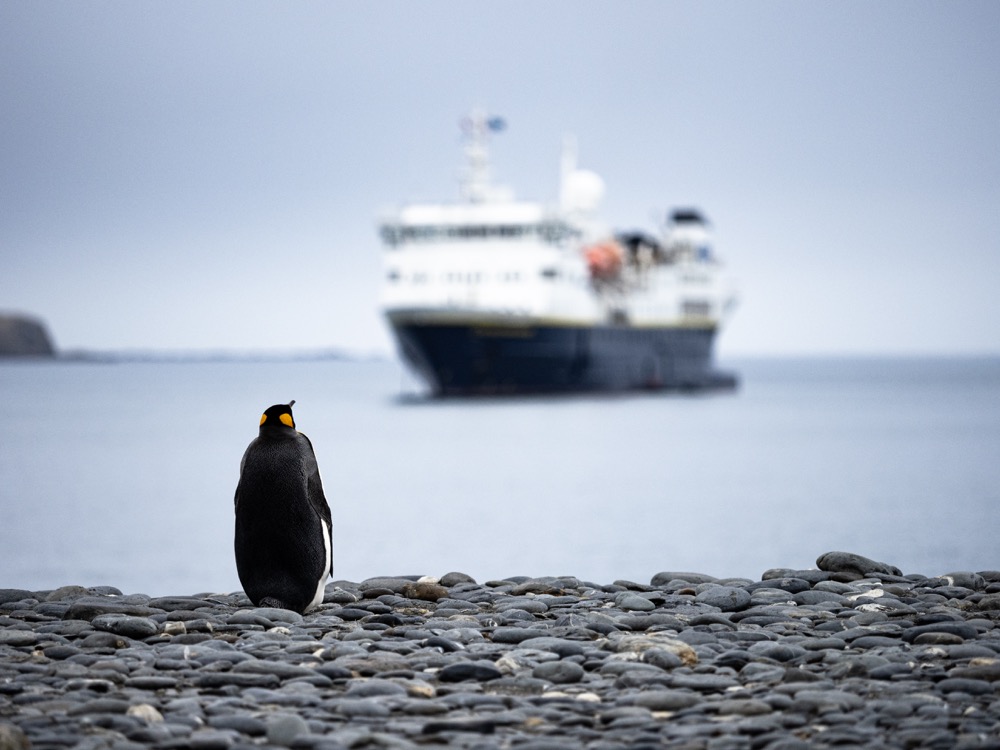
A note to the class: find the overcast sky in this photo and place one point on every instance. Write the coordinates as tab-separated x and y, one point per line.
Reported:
189	175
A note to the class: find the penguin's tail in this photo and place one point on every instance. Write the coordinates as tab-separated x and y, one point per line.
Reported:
270	601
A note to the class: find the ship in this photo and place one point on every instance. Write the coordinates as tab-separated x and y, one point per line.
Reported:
488	294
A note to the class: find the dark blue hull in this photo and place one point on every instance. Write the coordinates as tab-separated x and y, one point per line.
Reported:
493	359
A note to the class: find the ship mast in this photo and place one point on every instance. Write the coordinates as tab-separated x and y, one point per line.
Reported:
475	182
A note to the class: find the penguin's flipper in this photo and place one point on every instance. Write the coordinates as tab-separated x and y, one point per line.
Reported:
314	485
243	463
317	498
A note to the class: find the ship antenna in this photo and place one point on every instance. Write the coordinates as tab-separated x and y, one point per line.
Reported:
477	127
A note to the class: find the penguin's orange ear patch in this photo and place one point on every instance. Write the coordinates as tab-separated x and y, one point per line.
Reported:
263	418
286	419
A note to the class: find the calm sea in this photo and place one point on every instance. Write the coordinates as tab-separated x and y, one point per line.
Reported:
123	474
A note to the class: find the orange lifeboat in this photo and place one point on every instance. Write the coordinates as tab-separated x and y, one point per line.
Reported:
605	260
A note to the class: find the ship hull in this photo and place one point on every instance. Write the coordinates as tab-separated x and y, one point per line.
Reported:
471	358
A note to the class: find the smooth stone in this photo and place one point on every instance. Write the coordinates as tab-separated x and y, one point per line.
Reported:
662	658
947	639
726	598
282	730
212	739
761	673
126	625
8	596
815	596
825	700
664	700
631	602
102	640
533	606
145	712
743	707
979	670
866	642
374	688
823	644
66	593
782	652
279	669
849	562
61	652
467	670
478	726
959	629
558	646
813	577
662	579
100	706
790	584
424	591
964	685
452	579
989	603
274	614
443	644
706	683
966	580
89	607
362	707
13	737
151	682
393	584
224	679
559	672
889	671
17	637
241	723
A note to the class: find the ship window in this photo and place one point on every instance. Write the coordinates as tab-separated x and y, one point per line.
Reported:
393	275
549	273
553	232
696	307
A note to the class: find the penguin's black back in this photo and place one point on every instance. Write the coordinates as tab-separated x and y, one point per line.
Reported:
281	544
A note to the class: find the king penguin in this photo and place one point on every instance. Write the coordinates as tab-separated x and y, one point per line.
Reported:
284	532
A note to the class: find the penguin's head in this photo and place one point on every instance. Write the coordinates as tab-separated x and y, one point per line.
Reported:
278	417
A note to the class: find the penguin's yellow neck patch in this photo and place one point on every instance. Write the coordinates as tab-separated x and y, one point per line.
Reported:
285	419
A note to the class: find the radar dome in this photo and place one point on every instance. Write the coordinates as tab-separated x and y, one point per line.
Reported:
582	190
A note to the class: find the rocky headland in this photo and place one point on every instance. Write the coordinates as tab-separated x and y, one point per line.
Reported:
24	336
851	654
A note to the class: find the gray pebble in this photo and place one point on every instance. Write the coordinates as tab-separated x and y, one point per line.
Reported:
284	729
726	598
631	602
467	670
128	626
559	672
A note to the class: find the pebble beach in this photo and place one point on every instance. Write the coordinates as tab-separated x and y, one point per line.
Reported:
853	653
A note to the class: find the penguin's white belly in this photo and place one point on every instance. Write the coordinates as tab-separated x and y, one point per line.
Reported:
321	586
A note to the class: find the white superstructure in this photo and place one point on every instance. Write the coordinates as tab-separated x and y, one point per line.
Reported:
493	257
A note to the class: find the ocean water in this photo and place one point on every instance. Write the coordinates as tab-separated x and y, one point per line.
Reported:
123	474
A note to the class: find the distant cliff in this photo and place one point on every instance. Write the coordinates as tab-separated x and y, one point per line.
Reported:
23	336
